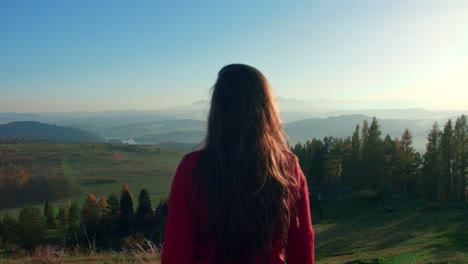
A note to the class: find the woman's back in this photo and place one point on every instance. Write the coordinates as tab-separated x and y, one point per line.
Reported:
243	197
183	242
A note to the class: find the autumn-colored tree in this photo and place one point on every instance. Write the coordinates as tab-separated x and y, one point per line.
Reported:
91	212
103	206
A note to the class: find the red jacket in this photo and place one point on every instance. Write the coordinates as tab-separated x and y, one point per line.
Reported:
181	244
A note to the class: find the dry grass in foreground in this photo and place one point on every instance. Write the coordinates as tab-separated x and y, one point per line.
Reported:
141	253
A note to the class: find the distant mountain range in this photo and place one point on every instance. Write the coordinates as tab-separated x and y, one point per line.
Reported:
187	125
135	130
41	130
291	110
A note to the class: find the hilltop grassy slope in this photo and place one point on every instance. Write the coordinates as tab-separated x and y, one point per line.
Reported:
413	233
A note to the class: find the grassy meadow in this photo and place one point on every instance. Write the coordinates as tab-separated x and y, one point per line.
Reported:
415	232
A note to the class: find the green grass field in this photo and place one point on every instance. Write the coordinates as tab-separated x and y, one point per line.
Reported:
413	233
141	168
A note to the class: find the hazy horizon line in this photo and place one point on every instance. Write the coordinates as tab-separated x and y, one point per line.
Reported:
296	105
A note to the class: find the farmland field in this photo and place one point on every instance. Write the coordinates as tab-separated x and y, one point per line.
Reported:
138	166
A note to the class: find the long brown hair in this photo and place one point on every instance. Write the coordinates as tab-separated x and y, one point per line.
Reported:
243	178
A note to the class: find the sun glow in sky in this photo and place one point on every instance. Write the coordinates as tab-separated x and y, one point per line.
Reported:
116	55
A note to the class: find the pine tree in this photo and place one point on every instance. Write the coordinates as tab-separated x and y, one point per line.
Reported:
74	215
317	169
160	219
60	217
63	215
114	205
347	172
372	155
431	164
408	168
90	213
329	177
2	230
364	132
49	215
390	174
144	209
8	231
355	158
110	217
126	209
445	164
363	156
31	228
460	152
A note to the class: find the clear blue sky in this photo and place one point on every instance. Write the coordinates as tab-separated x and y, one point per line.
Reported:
106	55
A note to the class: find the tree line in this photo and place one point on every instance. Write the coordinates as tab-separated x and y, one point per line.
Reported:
105	223
368	161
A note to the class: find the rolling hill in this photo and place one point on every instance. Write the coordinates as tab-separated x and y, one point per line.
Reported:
41	130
